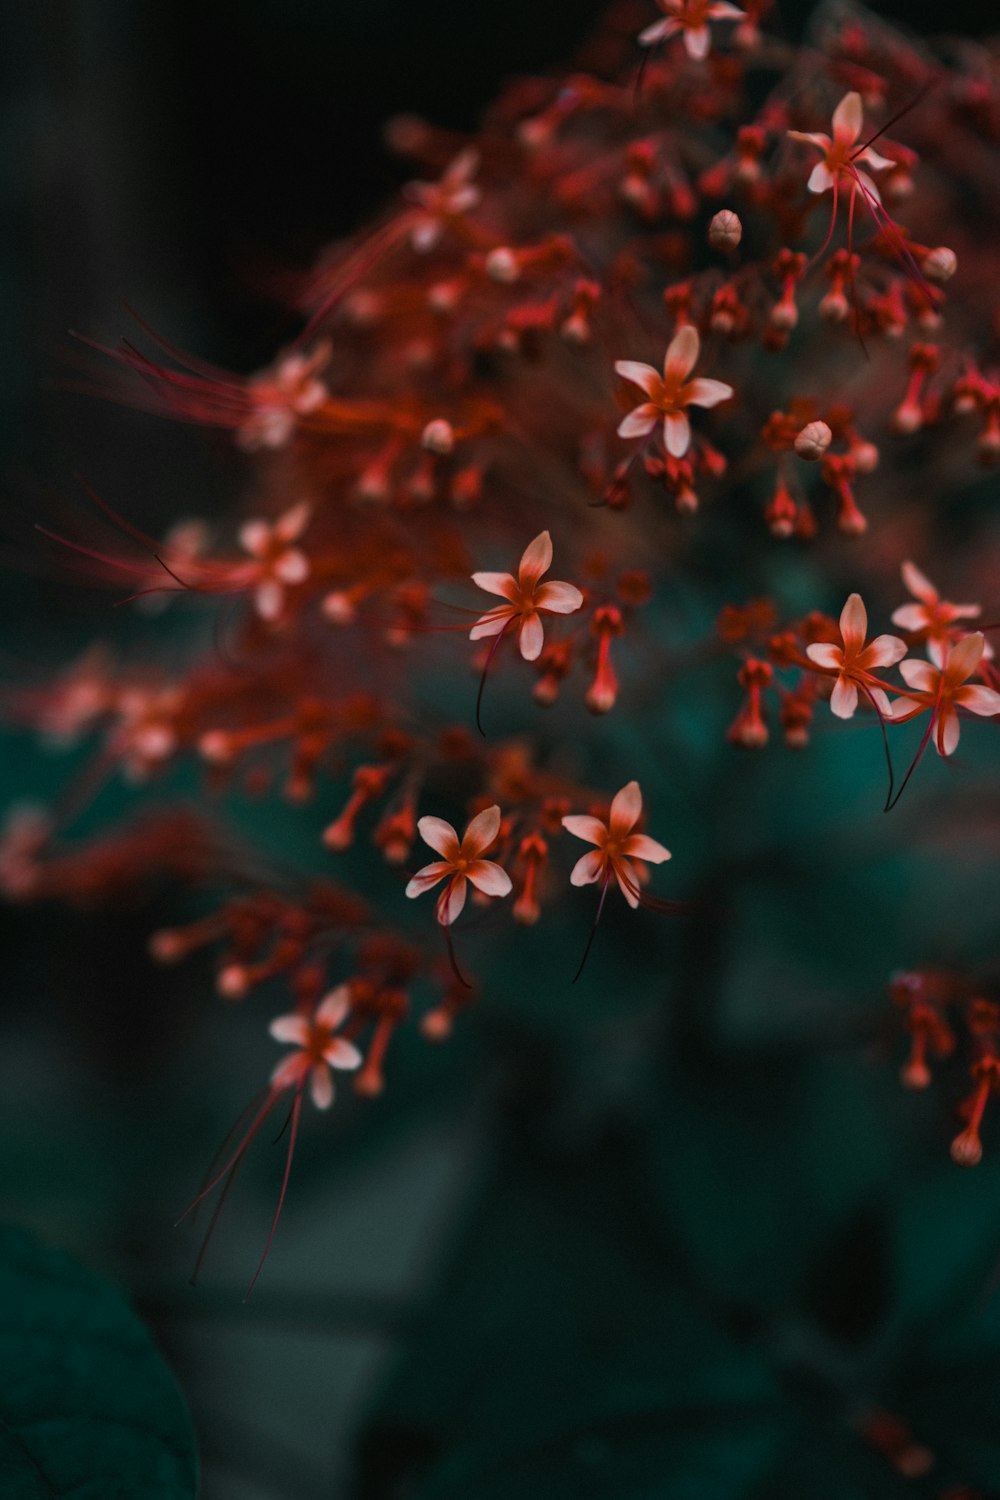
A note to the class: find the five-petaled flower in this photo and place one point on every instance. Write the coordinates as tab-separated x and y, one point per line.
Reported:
444	201
853	662
528	598
933	616
942	685
461	861
691	18
320	1049
840	152
671	393
617	846
280	396
279	562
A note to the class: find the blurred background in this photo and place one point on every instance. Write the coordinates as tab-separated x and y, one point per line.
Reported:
685	1212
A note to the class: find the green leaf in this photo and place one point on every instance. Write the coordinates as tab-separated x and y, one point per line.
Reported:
88	1409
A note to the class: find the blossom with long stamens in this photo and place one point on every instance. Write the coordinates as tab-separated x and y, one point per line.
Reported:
461	862
942	686
320	1049
932	616
279	397
618	847
670	394
840	153
280	562
528	598
854	660
690	18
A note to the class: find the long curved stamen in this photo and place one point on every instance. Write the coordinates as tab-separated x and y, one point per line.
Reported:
449	940
935	713
489	662
296	1111
593	929
885	740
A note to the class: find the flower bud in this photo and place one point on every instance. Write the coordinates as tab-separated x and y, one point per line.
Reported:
813	441
725	231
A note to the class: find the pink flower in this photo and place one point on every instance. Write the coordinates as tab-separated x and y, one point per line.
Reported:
941	685
460	862
280	563
441	202
320	1050
853	662
839	153
690	17
279	396
529	598
933	615
670	393
617	846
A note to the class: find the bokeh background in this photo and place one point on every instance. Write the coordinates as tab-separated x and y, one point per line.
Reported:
664	1235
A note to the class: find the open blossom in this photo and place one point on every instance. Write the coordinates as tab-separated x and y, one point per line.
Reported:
617	846
528	598
670	394
280	561
942	685
281	396
932	616
691	18
840	153
854	661
461	861
440	202
320	1049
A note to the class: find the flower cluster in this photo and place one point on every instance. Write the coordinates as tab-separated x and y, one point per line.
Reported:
463	392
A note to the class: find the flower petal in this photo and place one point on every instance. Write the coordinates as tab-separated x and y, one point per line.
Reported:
698	41
639	422
676	434
451	900
848	118
659	31
493	623
825	654
704	392
883	651
340	1053
295	1029
439	835
498	583
428	877
920	675
321	1085
820	178
964	658
644	376
255	537
844	698
918	584
481	832
290	526
641	846
626	809
978	700
682	354
628	884
558	598
487	876
588	869
535	560
289	1074
582	826
948	730
853	624
531	636
332	1009
910	616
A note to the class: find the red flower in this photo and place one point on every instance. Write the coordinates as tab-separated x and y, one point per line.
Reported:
460	861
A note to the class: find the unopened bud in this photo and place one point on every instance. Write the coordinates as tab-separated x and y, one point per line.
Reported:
939	265
813	441
438	436
725	231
